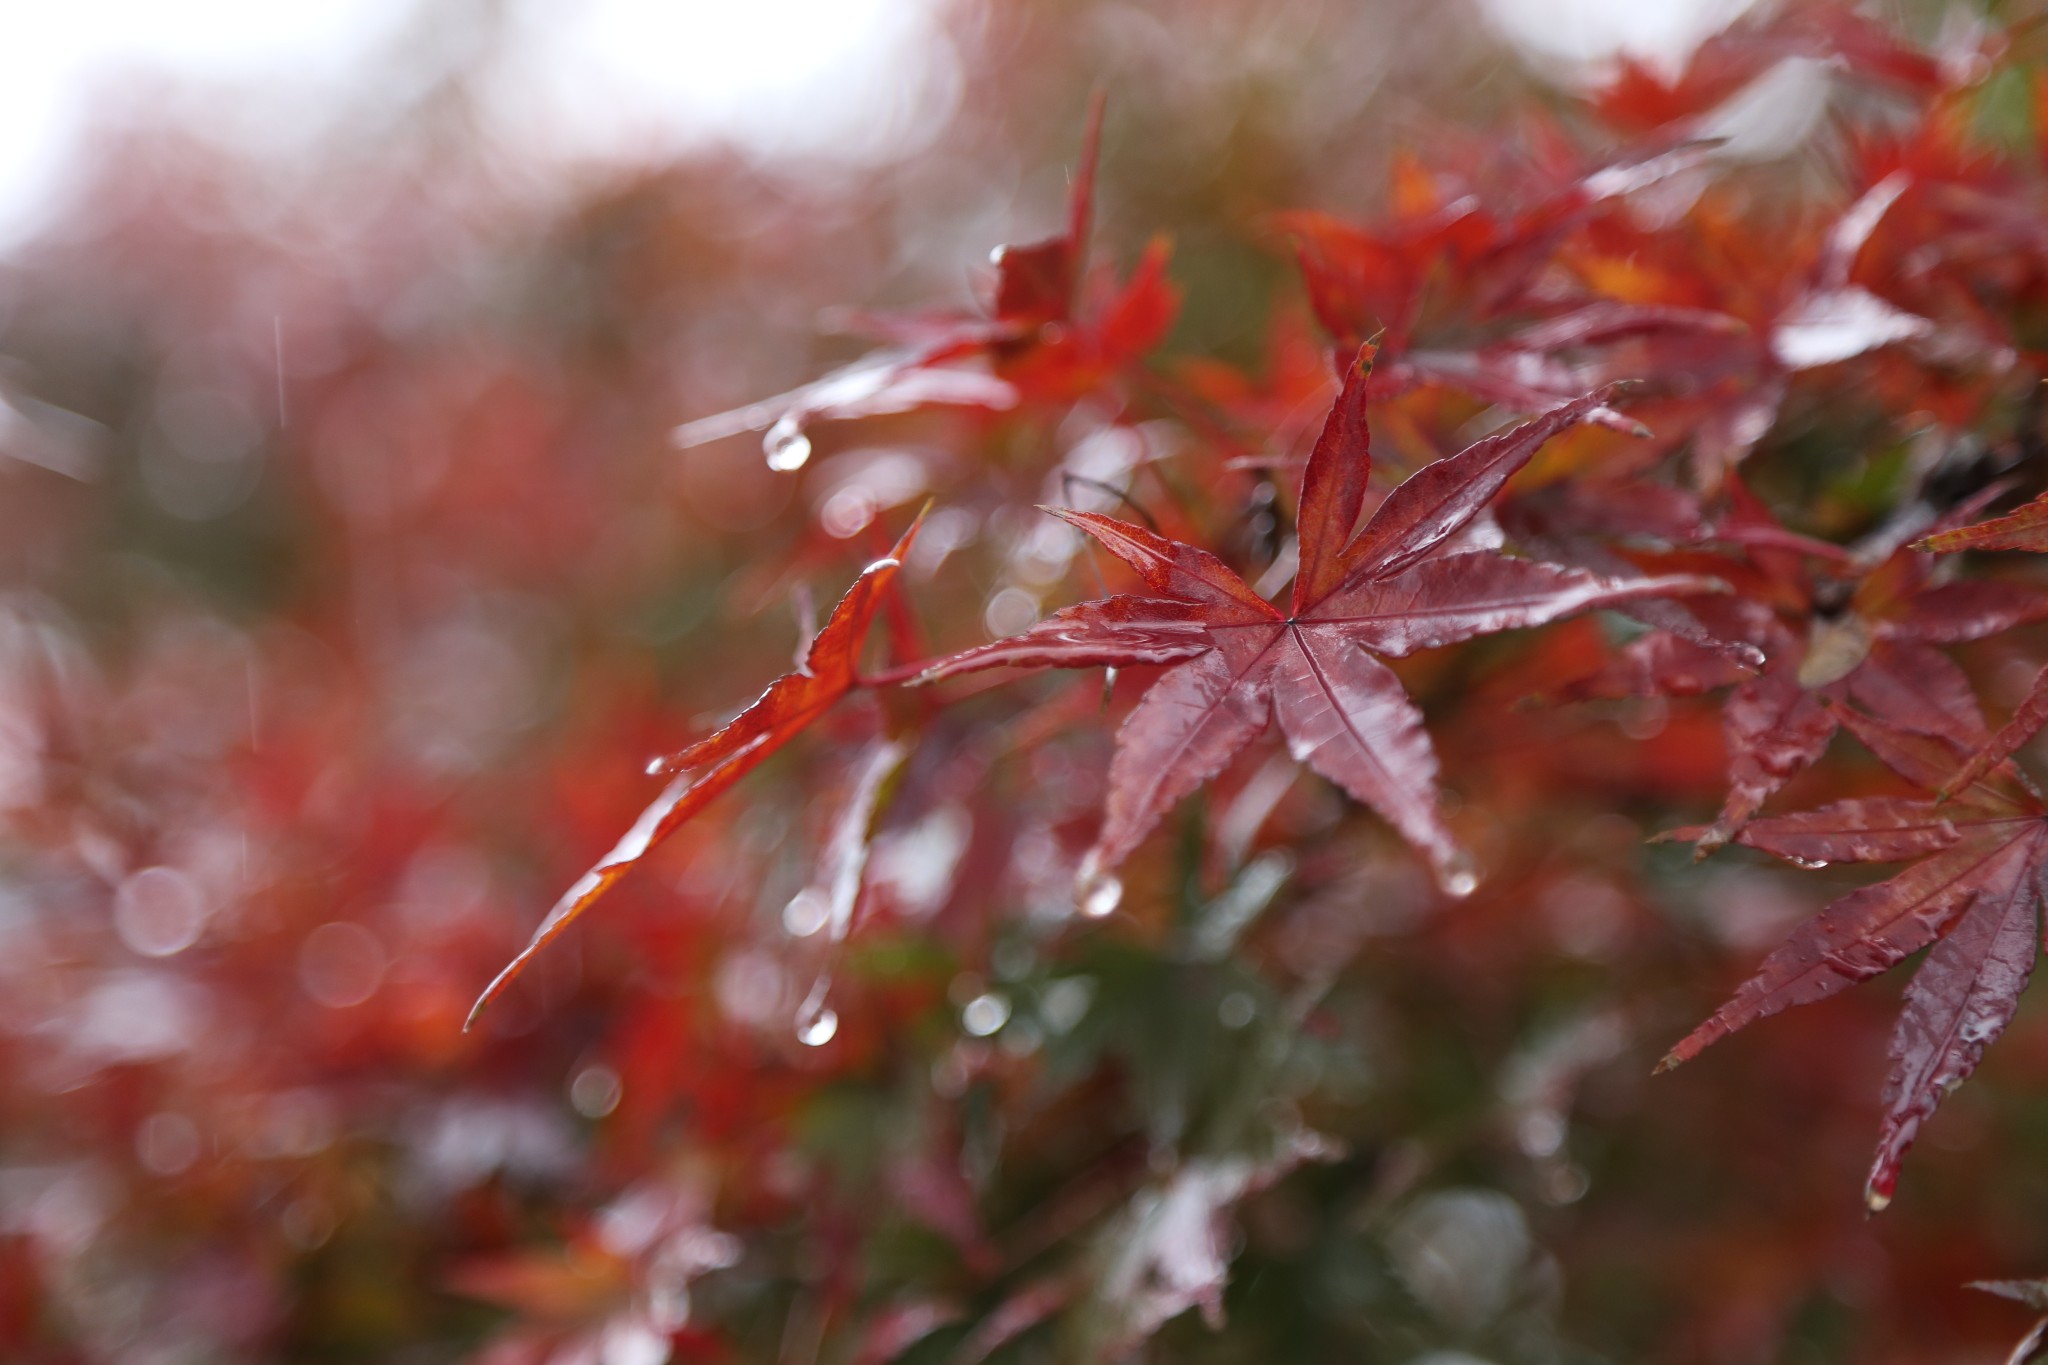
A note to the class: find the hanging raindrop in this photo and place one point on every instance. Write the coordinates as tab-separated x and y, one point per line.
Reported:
1101	894
1459	876
816	1022
786	445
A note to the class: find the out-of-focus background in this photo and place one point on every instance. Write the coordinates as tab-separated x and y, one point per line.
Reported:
351	575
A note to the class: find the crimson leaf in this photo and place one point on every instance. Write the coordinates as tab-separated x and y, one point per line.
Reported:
1974	893
1241	663
704	770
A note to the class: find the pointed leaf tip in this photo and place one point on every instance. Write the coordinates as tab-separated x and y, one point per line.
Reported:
901	552
2032	1293
706	769
2026	722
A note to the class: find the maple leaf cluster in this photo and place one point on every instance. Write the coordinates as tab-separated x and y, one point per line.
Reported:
1795	646
1289	748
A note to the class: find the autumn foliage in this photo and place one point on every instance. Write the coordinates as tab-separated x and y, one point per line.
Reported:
1217	880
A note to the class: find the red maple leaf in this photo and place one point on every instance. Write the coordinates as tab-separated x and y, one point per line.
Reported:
1831	626
1732	380
830	669
2024	528
1399	585
1466	260
1725	366
1048	335
1974	892
1642	98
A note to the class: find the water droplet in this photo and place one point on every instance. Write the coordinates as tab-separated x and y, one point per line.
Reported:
786	445
1021	1038
1101	894
806	913
1566	1184
1011	611
818	1029
307	1223
984	1014
1541	1133
596	1091
159	912
1236	1010
1064	1002
167	1143
342	964
656	766
816	1022
1459	875
1012	959
848	512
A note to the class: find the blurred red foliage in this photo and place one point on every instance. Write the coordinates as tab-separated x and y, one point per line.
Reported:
356	561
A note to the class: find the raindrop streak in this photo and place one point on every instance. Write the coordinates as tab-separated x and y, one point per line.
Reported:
786	445
816	1022
277	350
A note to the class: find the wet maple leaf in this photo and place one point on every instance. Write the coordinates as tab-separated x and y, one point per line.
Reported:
1533	367
1046	335
2025	528
2032	1293
1974	892
1803	319
1361	280
1831	626
1397	586
1730	363
830	669
1722	323
1641	97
